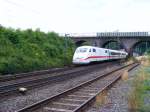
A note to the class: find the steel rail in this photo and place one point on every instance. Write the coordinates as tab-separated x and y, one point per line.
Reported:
6	89
84	105
10	77
31	74
46	101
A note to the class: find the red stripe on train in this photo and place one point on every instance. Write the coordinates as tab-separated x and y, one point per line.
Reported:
100	57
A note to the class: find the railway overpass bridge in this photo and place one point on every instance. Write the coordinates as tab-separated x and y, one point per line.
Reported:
134	43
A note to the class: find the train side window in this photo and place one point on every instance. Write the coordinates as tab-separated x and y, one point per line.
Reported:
105	51
94	50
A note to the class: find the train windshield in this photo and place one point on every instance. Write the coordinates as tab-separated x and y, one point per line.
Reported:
82	50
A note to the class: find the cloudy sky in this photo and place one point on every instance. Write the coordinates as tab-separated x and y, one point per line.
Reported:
76	16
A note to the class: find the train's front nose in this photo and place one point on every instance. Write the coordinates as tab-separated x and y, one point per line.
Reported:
80	56
79	59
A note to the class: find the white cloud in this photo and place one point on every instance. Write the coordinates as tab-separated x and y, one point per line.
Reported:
76	15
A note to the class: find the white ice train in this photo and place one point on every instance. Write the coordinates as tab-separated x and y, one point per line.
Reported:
88	54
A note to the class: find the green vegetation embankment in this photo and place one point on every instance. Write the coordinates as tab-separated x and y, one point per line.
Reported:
139	97
28	50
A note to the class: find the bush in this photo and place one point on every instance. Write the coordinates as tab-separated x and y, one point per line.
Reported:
28	50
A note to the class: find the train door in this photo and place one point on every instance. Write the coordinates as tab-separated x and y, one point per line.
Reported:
94	54
89	56
109	54
106	55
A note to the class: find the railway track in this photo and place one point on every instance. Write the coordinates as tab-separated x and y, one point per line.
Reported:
34	73
7	87
38	73
79	97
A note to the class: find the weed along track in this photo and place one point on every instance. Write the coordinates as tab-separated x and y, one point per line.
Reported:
33	80
78	98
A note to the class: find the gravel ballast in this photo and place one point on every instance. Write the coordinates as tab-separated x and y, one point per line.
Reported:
15	102
116	98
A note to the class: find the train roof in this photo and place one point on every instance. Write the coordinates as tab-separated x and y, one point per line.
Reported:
90	47
102	48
